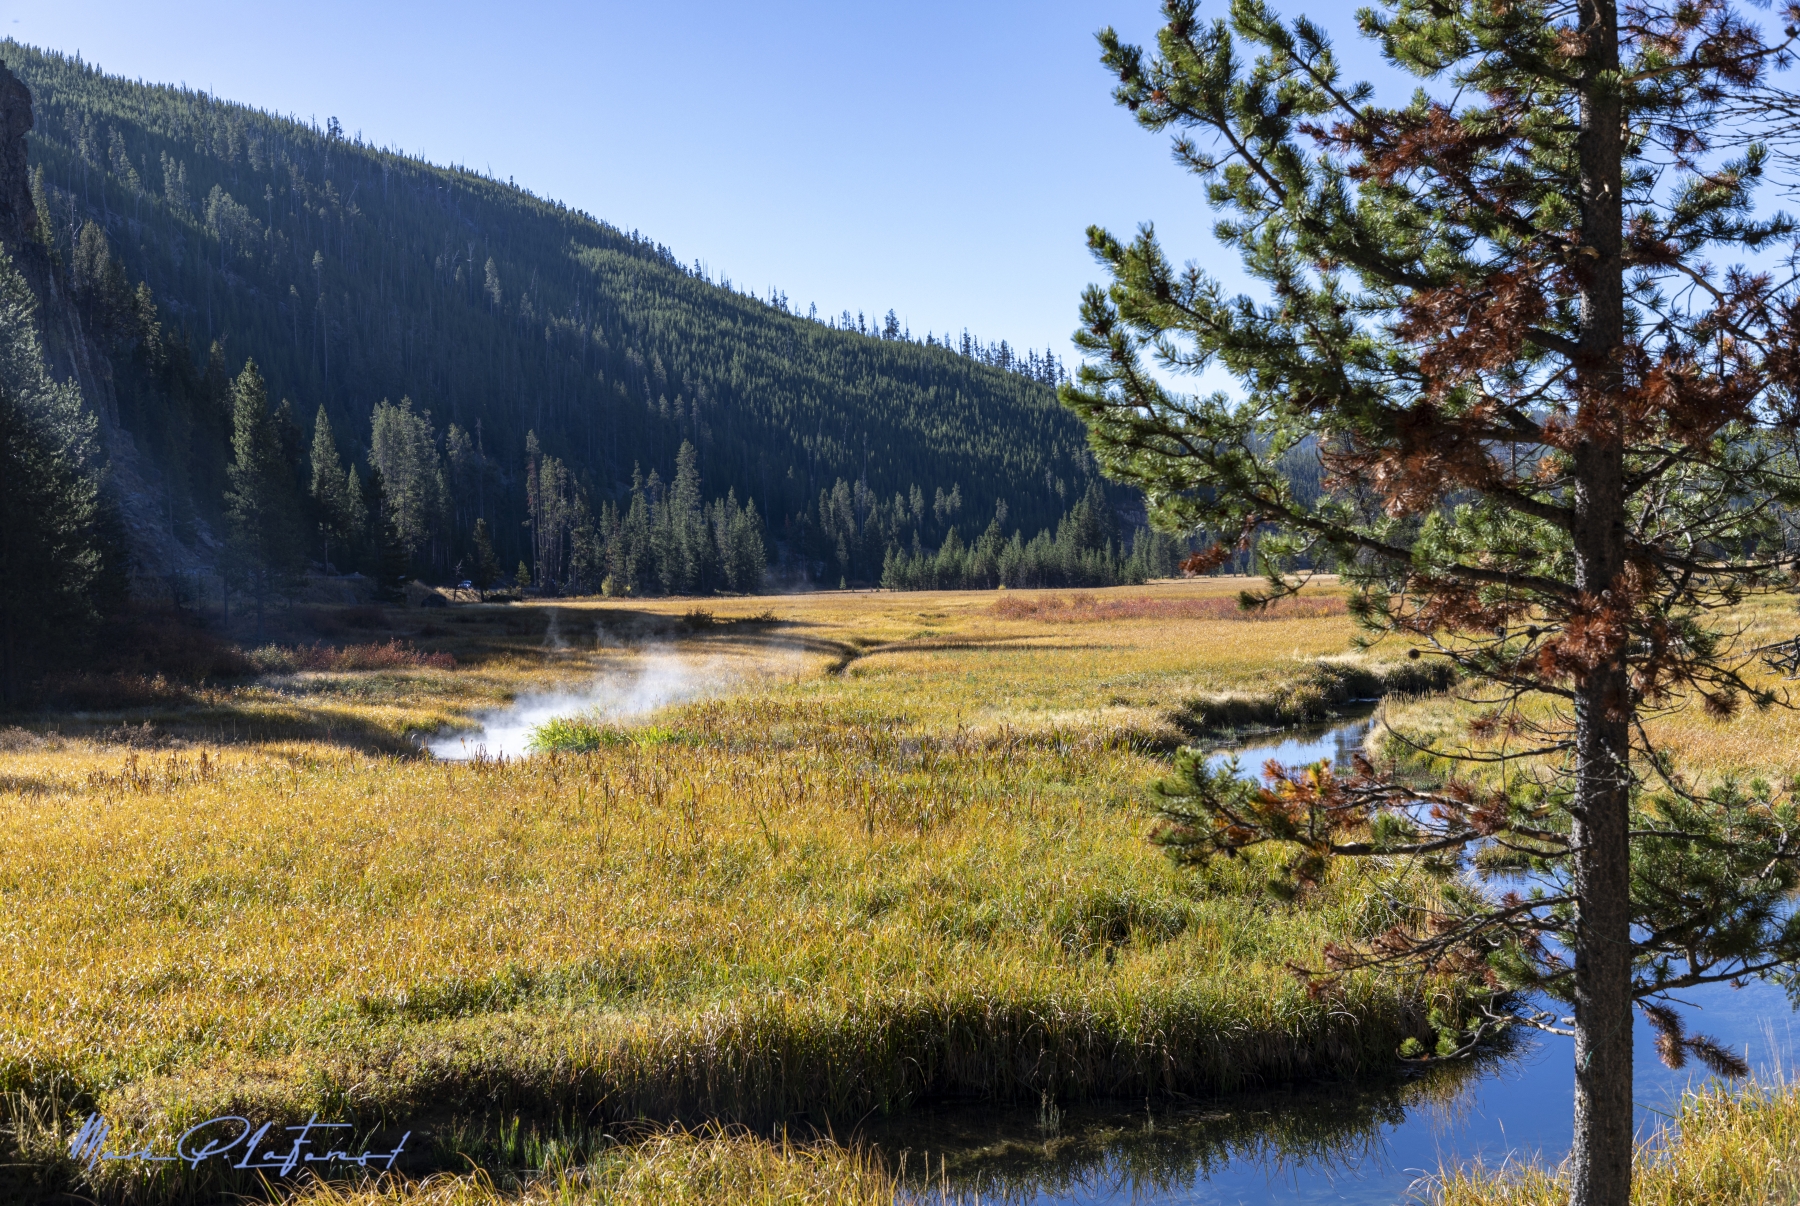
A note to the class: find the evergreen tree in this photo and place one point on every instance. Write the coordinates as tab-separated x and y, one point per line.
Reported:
403	446
587	549
50	549
687	542
485	570
744	555
265	552
385	558
634	558
356	527
331	490
1561	449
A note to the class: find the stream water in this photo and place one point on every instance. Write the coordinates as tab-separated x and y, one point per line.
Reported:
1326	1145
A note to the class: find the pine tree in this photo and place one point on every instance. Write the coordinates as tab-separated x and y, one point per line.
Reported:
403	446
356	527
330	490
485	570
634	561
50	551
689	546
384	552
1558	449
265	553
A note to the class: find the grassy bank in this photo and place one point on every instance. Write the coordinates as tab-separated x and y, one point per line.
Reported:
1747	745
1724	1149
897	854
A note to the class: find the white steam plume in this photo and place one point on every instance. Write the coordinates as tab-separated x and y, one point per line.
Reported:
659	679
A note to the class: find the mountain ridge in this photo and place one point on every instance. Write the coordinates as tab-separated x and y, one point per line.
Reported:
353	274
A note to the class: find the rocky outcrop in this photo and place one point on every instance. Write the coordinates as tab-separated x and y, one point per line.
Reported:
18	216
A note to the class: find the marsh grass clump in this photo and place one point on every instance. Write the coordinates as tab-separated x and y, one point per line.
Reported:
573	735
1317	693
1724	1148
713	1166
578	735
393	654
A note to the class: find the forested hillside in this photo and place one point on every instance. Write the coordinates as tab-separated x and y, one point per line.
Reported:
199	235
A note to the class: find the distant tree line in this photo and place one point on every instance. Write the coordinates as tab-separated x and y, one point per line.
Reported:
1086	549
665	540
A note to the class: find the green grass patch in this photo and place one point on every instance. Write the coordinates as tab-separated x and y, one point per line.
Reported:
575	735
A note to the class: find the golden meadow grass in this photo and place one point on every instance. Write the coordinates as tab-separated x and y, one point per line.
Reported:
1724	1149
1750	744
674	1167
900	855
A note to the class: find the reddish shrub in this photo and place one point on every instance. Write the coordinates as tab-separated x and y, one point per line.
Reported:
1086	608
394	655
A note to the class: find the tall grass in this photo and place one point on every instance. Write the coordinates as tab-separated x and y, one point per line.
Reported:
393	654
835	892
788	910
675	1168
1083	607
1726	1148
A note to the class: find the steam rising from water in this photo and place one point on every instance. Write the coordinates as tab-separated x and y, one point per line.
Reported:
659	679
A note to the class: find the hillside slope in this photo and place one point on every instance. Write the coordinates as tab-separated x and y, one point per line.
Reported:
352	274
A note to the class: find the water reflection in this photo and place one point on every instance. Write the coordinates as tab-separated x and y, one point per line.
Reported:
1298	747
1157	1153
1325	1144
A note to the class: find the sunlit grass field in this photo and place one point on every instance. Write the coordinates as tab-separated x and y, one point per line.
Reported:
891	849
894	850
1724	1148
1750	744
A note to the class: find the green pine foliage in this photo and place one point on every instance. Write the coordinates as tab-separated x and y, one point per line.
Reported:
354	275
484	569
665	540
383	548
265	549
1086	549
332	492
51	548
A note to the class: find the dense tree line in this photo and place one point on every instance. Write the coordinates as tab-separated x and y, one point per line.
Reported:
665	539
1085	549
395	518
354	275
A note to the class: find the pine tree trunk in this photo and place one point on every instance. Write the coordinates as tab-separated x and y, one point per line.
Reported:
1601	1155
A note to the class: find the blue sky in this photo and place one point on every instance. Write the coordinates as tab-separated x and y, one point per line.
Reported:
943	159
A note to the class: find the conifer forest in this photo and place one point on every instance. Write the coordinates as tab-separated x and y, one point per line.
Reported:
459	381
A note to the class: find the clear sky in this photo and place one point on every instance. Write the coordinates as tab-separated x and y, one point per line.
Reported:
940	158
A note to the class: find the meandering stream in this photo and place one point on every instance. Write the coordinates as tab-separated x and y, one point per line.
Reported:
1322	1145
1331	1145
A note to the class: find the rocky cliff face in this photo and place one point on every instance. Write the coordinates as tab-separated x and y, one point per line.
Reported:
132	485
18	216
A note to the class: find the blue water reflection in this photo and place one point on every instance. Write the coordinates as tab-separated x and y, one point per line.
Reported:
1521	1109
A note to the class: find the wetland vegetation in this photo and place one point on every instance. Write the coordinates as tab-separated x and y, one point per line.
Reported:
887	857
894	854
